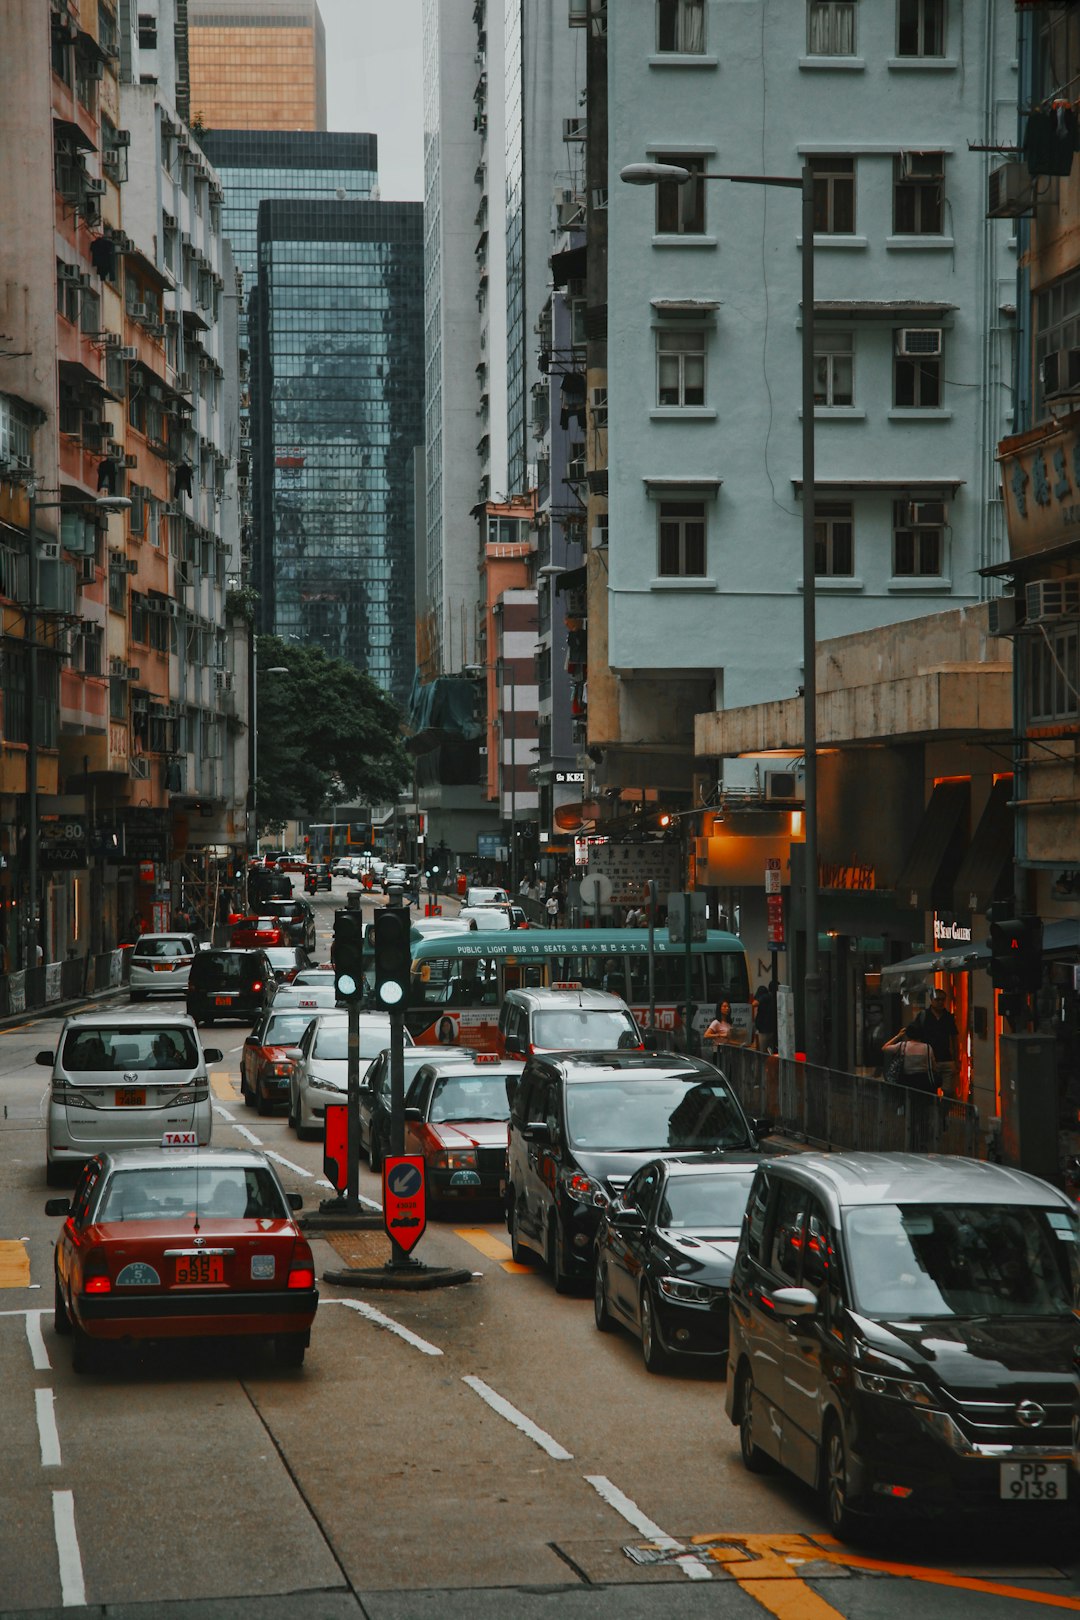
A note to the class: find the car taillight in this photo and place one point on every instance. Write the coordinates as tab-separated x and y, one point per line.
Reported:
184	961
98	1285
302	1277
257	985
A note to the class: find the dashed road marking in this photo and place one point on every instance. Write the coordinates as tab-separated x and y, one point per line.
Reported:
492	1246
72	1584
362	1308
48	1435
39	1356
500	1404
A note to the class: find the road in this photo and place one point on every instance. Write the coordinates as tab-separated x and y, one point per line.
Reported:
480	1451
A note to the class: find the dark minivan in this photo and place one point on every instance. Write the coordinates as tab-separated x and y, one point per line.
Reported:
902	1333
580	1125
230	984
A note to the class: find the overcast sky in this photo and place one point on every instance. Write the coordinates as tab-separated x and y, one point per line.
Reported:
374	82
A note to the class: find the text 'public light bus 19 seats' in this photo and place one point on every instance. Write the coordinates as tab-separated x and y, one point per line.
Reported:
458	983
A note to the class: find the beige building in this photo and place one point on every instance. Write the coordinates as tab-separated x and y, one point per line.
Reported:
257	64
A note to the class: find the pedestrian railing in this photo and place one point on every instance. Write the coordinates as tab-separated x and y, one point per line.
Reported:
54	982
830	1109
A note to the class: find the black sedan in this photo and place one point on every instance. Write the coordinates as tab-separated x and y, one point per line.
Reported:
664	1255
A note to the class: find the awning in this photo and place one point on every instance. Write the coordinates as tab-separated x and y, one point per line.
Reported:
704	308
989	856
924	489
71	132
957	959
571	579
1046	554
1062	935
880	309
926	882
568	266
76	375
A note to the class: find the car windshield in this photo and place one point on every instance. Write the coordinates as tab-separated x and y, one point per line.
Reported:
910	1261
633	1115
161	947
223	967
332	1041
705	1203
282	955
461	1097
583	1028
104	1050
283	908
285	1029
162	1194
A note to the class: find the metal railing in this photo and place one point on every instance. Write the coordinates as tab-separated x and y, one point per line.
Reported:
55	982
829	1109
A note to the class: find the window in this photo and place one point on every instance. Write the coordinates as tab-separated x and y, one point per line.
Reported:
147	31
137	515
918	538
139	618
920	28
680	367
918	193
578	336
117	588
834	195
682	539
90	322
785	1252
680	26
1057	326
834	363
916	376
1054	672
15	431
834	539
830	28
117	698
680	209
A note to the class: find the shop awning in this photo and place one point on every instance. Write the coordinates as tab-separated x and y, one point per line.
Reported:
68	131
926	882
989	856
957	959
1062	937
568	266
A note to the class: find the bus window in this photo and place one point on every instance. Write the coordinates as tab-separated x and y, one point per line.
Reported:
474	983
430	983
671	977
725	977
639	980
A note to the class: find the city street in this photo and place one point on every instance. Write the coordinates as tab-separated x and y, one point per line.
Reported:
476	1451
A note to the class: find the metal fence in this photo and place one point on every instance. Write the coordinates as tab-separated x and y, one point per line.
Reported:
829	1109
55	982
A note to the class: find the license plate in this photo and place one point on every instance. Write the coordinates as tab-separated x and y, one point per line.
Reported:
200	1268
223	1001
131	1097
162	967
1034	1482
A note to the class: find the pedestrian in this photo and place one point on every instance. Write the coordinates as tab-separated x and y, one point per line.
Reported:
937	1027
764	1037
551	906
722	1031
907	1060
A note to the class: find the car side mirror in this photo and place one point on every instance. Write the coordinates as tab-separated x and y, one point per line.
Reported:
213	1054
762	1127
58	1206
46	1059
538	1130
627	1220
414	1116
293	1053
295	1200
794	1302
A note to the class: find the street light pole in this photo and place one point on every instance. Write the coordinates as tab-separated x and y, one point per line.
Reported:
503	673
653	174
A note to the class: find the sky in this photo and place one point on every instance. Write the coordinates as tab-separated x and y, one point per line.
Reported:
374	83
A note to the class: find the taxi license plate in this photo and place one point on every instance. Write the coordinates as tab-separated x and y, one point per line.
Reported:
1034	1482
162	967
200	1268
130	1097
223	1001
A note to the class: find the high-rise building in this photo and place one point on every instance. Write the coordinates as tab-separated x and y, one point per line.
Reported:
257	64
337	411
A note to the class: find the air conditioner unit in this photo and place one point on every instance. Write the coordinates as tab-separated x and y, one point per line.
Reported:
111	340
927	513
183	139
132	672
916	342
223	680
130	461
1059	373
111	158
94	187
49	550
579	13
185	241
127	351
139	312
155	329
1003	616
1053	598
121	137
921	166
785	787
140	766
114	450
574	129
183	382
1010	192
130	565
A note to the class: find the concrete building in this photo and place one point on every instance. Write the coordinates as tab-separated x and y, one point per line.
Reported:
914	340
507	646
257	64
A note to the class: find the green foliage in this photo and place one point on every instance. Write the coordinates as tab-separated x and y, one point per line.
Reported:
326	733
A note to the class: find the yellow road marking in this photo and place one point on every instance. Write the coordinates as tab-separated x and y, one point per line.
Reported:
14	1264
492	1247
223	1086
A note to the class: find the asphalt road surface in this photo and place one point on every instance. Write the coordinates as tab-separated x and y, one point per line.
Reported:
477	1452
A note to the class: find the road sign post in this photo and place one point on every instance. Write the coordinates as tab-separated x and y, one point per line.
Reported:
392	963
404	1204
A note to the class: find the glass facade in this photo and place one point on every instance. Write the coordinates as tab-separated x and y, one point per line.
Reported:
257	64
336	324
515	252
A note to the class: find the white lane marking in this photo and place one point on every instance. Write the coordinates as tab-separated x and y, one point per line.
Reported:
692	1567
239	1048
72	1585
257	1141
39	1356
499	1404
249	1136
387	1322
48	1435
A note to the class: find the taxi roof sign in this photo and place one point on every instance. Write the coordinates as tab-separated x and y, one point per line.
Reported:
486	1057
567	984
180	1139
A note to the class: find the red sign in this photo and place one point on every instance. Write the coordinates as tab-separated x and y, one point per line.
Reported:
774	911
336	1145
404	1200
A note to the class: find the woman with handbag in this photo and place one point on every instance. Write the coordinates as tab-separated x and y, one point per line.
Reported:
908	1061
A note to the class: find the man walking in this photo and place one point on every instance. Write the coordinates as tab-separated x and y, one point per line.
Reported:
937	1027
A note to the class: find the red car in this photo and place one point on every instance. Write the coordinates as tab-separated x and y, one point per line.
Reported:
458	1118
250	933
181	1243
265	1066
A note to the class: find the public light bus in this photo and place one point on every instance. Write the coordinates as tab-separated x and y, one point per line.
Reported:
458	981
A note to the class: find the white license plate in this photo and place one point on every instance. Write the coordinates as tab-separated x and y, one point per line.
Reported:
1034	1482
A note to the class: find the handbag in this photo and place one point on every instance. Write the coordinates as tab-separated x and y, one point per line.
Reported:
893	1068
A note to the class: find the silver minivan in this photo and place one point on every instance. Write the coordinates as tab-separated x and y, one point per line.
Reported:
160	964
121	1080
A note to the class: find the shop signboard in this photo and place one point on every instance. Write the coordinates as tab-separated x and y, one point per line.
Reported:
1040	482
62	844
774	916
631	867
773	875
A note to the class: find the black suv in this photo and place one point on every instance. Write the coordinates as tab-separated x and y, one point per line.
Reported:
297	919
582	1123
230	984
902	1335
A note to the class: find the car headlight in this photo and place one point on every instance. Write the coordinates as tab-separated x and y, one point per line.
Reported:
455	1159
895	1389
322	1082
689	1293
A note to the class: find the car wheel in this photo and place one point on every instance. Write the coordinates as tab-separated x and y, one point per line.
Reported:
653	1354
83	1350
294	1123
602	1315
61	1319
518	1251
290	1348
834	1481
262	1101
249	1100
375	1153
55	1174
754	1459
564	1284
304	1133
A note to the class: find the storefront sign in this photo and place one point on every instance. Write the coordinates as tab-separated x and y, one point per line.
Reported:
61	845
772	876
947	931
490	847
774	915
845	877
631	867
570	776
1040	481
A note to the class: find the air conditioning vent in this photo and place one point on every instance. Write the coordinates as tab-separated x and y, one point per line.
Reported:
94	187
133	673
1003	616
785	787
127	352
129	565
223	680
1059	373
121	137
1010	192
573	129
140	766
1053	598
111	340
130	461
49	550
917	341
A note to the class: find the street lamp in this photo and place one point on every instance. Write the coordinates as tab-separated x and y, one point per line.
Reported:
505	675
653	174
271	669
100	503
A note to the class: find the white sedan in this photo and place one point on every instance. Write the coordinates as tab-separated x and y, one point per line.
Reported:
320	1072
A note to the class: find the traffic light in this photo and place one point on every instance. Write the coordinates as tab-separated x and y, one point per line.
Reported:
348	956
1016	954
393	955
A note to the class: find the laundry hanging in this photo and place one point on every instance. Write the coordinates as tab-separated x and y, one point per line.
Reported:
107	474
103	257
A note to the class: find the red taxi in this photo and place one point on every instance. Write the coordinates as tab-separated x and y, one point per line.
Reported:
181	1243
457	1116
250	933
265	1064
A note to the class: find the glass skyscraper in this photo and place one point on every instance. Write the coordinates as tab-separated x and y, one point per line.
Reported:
336	329
257	62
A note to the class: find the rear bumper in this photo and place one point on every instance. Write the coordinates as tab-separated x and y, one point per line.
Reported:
179	1315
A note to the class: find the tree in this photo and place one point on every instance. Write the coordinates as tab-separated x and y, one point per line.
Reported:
326	732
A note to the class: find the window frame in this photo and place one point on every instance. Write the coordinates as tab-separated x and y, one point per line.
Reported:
926	378
941	21
680	10
668	348
834	9
927	195
921	534
682	514
827	350
691	216
826	515
1060	641
843	173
